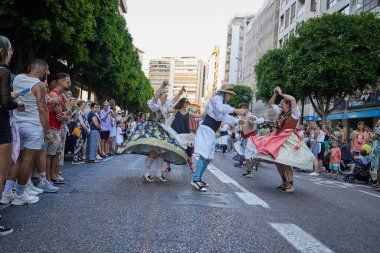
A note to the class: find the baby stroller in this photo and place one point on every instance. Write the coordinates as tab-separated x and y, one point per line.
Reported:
361	173
347	158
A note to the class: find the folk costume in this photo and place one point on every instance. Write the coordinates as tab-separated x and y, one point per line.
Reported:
283	146
247	131
217	111
154	135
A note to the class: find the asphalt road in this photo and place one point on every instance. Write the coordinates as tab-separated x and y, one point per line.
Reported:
106	207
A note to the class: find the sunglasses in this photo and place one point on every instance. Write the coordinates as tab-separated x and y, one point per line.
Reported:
187	102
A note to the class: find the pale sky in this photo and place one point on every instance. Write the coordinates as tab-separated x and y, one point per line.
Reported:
183	27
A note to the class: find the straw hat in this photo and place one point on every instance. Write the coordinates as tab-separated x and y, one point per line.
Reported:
228	88
243	104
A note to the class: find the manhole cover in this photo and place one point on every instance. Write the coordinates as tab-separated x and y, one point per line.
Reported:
193	198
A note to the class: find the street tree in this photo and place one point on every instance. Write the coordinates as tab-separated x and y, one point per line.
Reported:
332	56
243	95
49	30
270	72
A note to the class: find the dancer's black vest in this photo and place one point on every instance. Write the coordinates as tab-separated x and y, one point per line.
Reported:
211	123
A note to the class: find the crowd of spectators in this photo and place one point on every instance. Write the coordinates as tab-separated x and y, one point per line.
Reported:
42	124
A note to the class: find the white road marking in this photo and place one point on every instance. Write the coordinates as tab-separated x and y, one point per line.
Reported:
335	184
247	196
372	194
137	161
299	238
109	158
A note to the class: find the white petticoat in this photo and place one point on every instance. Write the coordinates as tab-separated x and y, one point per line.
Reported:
302	158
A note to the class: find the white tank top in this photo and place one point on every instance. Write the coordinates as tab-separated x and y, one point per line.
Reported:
31	114
321	136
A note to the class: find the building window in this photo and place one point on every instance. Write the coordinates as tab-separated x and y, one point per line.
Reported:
291	33
331	3
283	3
292	13
356	6
287	18
370	4
301	8
345	10
313	6
282	23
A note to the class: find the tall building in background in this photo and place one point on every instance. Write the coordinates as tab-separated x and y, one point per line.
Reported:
261	35
123	9
159	70
212	83
234	48
292	13
349	6
180	71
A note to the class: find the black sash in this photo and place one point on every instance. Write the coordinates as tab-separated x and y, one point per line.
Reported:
211	123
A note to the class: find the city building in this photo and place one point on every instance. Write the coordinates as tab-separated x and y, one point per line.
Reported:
123	9
179	71
159	70
292	13
211	72
234	48
350	6
140	54
261	35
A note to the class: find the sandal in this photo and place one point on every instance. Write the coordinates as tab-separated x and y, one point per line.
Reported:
93	161
57	181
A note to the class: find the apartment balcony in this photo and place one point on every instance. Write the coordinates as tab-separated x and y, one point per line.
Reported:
301	11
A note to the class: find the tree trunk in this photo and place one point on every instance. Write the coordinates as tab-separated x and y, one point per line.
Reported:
323	119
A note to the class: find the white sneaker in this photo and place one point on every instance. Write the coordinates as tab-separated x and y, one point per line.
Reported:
25	198
98	157
30	191
38	190
6	199
314	174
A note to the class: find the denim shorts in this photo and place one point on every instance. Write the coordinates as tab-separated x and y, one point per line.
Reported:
334	166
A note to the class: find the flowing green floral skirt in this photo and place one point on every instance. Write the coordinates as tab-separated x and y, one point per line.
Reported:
152	135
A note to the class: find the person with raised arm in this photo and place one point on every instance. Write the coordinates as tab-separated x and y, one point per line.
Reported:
155	139
283	146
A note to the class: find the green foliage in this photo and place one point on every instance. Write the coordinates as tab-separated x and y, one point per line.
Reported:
333	56
87	39
330	58
243	95
270	72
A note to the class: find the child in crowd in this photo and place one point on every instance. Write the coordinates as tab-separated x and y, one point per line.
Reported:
335	157
119	136
361	161
306	138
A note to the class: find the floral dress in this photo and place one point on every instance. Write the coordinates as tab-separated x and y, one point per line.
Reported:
154	135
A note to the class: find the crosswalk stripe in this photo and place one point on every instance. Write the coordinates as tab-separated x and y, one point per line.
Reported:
300	239
245	195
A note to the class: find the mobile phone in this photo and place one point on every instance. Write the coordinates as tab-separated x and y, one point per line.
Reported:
24	91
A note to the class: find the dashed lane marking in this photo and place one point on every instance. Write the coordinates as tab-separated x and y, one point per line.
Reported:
299	238
372	194
245	195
